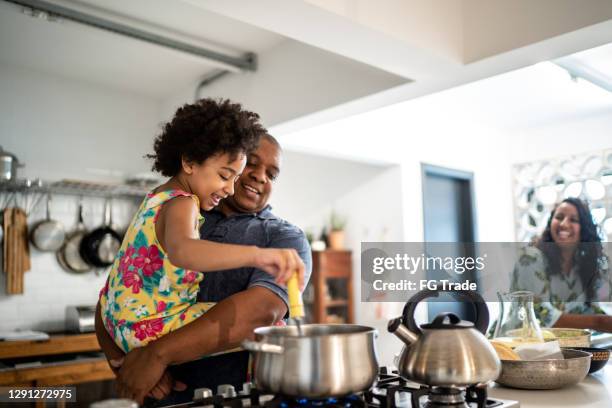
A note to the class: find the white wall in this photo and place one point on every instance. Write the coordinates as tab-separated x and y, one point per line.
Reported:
577	135
61	128
370	196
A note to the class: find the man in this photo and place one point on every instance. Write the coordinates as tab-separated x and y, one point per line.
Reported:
247	298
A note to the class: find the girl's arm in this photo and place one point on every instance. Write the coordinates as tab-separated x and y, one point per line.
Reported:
177	233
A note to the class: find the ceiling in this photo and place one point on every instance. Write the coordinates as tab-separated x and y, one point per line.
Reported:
76	51
513	103
390	51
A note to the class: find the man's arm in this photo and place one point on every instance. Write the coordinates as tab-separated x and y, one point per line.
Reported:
226	325
107	344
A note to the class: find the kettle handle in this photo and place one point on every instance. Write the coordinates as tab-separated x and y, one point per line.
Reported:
482	311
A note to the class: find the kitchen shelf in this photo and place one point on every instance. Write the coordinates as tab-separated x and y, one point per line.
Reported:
336	302
331	277
61	360
54	345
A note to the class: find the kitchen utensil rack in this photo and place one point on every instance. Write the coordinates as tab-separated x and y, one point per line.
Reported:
28	193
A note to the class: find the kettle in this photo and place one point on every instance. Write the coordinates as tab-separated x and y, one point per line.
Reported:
448	352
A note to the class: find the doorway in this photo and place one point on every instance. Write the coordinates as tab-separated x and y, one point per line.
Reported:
448	217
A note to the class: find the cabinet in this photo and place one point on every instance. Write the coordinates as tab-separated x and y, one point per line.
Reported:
329	295
59	361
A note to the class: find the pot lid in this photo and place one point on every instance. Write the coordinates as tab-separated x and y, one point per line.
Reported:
448	321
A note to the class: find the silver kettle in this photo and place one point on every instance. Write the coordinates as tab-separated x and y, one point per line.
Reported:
448	352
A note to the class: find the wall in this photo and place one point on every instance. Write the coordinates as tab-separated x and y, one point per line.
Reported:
578	135
62	128
370	196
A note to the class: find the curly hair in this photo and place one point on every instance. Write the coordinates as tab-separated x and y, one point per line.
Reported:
589	253
202	129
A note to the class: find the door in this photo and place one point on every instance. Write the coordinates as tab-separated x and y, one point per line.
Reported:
449	217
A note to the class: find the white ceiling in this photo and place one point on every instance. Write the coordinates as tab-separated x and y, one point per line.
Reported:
424	42
84	53
540	95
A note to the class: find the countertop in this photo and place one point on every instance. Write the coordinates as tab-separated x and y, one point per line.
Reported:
594	391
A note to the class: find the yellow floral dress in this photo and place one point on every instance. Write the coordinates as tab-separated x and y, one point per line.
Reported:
145	296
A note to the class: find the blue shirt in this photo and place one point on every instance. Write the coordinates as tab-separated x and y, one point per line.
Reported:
263	229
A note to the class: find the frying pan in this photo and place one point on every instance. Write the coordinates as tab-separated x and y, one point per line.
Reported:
69	256
48	235
101	245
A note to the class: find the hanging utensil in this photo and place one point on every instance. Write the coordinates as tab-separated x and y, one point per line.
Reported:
100	246
7	216
15	263
69	256
48	235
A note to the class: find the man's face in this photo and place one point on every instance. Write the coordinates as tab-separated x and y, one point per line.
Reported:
253	188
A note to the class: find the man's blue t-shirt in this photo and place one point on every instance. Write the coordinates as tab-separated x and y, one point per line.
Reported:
263	229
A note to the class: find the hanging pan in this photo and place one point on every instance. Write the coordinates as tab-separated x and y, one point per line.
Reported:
69	257
101	245
48	235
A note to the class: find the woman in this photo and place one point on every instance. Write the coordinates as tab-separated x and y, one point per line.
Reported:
567	271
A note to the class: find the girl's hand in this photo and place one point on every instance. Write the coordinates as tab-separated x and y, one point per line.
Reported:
280	263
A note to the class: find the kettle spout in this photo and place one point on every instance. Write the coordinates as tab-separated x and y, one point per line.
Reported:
396	327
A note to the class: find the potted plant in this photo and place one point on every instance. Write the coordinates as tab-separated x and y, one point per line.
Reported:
336	231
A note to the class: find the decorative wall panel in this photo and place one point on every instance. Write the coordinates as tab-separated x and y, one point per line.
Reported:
538	186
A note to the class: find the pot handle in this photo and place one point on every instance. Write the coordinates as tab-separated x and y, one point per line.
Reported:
482	311
261	347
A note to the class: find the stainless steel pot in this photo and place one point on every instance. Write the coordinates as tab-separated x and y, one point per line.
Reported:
8	166
328	360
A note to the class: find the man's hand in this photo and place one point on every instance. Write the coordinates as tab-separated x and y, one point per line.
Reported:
141	373
165	386
162	389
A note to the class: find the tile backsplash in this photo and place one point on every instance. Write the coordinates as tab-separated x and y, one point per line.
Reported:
48	289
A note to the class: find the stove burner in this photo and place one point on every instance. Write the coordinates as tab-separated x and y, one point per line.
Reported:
352	401
391	391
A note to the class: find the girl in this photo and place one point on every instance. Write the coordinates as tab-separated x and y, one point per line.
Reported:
153	283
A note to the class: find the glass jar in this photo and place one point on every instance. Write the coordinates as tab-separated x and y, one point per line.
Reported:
517	323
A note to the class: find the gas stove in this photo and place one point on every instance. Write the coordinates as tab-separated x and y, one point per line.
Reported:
390	391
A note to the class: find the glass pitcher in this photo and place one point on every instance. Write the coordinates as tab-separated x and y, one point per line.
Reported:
517	323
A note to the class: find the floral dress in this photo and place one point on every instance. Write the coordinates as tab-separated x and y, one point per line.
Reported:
145	296
559	293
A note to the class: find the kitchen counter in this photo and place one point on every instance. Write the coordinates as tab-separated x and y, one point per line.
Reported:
595	391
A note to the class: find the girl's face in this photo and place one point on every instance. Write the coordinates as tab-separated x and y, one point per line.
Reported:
213	180
565	225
